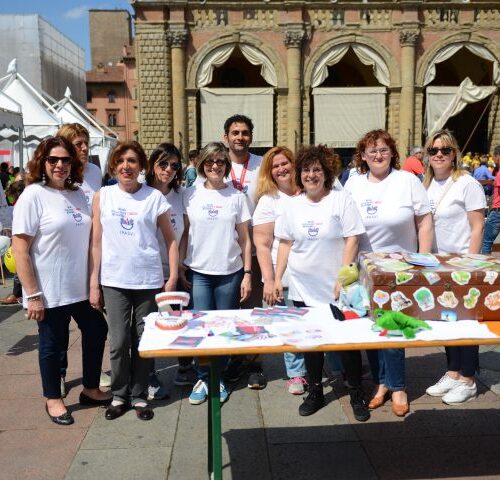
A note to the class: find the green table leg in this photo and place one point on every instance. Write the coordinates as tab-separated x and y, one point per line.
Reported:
214	422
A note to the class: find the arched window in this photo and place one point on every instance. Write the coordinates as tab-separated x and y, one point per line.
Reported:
111	96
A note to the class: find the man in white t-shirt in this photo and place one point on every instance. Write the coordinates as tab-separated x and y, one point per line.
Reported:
79	137
238	132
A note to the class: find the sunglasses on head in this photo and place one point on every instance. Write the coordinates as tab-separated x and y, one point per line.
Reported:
219	163
444	150
52	160
164	164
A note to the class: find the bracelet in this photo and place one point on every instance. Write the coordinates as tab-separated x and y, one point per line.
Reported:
248	271
34	295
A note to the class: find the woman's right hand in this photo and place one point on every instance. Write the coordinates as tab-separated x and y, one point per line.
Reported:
268	293
278	290
95	298
185	284
36	309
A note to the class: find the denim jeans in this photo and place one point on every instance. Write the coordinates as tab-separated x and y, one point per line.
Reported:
214	292
388	367
126	310
52	337
491	230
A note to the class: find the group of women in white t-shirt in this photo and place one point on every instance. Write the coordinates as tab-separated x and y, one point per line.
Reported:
146	237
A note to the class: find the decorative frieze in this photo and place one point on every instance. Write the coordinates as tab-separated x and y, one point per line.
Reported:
326	19
260	19
376	18
209	18
441	17
489	18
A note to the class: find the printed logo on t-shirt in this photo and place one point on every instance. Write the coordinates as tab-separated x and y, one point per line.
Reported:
88	196
75	213
173	222
126	221
212	210
371	207
312	229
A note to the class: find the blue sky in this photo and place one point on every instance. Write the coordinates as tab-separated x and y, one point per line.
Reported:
68	16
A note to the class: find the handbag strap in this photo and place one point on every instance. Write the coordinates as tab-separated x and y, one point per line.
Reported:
449	184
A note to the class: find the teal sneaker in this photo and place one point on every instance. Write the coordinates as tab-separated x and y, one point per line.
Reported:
223	393
199	393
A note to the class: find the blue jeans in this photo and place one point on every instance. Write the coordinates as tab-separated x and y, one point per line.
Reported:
52	331
491	230
388	367
214	292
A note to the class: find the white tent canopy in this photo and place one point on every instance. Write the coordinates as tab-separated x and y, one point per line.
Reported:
442	103
343	115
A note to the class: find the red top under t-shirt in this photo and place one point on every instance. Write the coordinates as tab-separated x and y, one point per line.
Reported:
413	165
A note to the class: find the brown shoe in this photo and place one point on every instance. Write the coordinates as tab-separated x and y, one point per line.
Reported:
378	400
9	300
400	409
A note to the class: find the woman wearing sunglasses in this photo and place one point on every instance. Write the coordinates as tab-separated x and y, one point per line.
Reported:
165	174
51	232
215	252
396	214
458	202
126	261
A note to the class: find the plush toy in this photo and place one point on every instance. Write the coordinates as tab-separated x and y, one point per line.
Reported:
353	300
390	323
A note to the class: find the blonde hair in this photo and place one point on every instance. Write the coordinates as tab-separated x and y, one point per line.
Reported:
266	185
448	140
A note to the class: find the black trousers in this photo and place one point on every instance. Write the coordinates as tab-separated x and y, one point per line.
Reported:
351	361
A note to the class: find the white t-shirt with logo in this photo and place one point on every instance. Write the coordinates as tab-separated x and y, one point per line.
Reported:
59	222
92	181
177	219
451	226
249	180
130	250
318	231
388	209
213	246
268	209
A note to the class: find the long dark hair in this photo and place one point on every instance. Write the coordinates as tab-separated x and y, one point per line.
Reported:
163	151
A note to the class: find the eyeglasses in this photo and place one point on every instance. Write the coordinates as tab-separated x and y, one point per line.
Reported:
164	164
444	150
384	152
218	162
51	160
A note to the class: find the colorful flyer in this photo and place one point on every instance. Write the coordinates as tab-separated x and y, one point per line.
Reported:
421	259
470	300
390	265
403	277
449	316
492	300
465	262
399	301
461	277
448	300
424	299
431	277
381	298
187	342
490	276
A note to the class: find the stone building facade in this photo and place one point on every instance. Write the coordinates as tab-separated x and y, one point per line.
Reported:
321	69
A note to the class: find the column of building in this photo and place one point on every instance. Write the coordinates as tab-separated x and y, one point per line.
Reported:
178	39
408	41
153	66
293	41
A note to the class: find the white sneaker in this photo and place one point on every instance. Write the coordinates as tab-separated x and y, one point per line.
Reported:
443	386
460	394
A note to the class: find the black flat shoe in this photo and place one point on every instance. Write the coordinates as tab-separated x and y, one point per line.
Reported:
115	411
64	419
85	400
144	413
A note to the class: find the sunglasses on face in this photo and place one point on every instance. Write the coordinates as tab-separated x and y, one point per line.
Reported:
164	164
444	150
51	160
219	163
